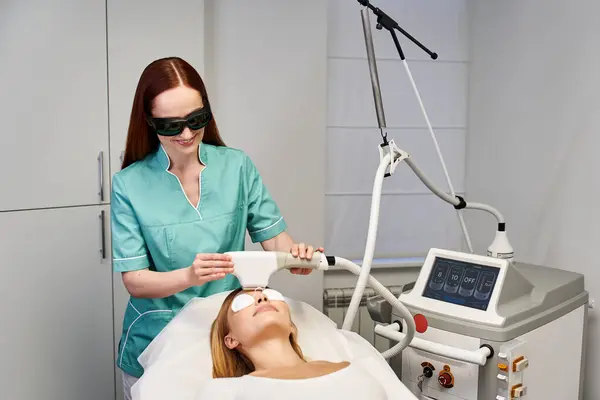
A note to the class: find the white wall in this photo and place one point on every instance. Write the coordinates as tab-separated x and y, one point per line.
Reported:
412	219
533	136
266	66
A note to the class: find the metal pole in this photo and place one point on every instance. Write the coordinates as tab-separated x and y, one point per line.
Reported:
373	68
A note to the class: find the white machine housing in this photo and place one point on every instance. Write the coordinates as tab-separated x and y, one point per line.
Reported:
533	319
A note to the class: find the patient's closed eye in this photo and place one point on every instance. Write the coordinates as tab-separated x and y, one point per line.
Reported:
242	301
273	295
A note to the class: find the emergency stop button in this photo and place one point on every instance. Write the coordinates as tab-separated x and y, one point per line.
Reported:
421	323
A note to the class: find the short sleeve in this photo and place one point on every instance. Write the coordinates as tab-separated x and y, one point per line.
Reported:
264	218
129	248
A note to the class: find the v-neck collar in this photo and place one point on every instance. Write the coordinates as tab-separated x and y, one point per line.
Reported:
165	162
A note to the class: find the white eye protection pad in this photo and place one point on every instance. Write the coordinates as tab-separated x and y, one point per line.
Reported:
244	300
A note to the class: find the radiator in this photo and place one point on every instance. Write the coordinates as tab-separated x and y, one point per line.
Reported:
335	305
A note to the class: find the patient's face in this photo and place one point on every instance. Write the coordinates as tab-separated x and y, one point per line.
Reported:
256	315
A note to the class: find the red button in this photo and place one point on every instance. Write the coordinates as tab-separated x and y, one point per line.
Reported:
421	323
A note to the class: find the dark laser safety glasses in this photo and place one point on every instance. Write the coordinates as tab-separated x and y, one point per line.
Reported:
195	120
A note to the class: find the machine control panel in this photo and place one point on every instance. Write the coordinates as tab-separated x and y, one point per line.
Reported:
459	282
459	285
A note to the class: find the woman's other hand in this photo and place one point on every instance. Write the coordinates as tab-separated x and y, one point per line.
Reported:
209	267
304	252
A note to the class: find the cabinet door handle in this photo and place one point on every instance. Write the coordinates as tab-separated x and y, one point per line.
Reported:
103	235
101	175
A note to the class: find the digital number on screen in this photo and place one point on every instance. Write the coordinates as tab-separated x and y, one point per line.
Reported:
463	283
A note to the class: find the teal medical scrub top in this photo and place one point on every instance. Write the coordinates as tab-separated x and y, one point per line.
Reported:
155	226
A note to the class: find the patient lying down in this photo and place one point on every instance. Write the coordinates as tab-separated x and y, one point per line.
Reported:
256	355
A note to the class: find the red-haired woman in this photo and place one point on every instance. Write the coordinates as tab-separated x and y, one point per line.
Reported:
181	200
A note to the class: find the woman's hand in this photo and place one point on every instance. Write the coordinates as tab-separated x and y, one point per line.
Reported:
209	267
303	252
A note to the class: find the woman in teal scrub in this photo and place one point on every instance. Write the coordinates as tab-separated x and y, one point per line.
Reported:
181	200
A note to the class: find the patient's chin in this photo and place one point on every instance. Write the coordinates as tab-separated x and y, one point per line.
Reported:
270	319
270	328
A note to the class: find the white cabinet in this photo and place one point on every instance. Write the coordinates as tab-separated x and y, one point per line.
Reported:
56	292
140	32
53	103
56	286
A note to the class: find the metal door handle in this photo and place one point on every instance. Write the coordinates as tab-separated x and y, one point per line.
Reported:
103	230
101	175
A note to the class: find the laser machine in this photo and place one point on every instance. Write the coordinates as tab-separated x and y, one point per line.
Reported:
487	327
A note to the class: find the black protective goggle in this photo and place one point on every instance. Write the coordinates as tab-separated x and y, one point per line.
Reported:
195	120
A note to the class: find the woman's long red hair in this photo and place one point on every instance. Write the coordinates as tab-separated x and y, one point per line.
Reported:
159	76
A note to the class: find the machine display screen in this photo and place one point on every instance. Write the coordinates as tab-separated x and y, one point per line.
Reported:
463	283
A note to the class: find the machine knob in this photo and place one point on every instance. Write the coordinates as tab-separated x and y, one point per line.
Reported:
427	369
427	372
445	378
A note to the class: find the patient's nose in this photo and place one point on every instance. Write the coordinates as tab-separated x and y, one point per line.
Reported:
261	298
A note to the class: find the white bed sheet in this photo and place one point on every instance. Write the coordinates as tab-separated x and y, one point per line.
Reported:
178	361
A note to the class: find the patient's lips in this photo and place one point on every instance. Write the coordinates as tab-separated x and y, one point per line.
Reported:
264	307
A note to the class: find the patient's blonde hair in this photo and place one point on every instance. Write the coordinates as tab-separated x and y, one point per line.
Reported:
229	363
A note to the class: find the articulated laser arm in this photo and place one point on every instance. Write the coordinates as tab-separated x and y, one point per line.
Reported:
501	247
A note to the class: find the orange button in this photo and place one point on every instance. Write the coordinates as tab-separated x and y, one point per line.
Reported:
503	367
421	323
